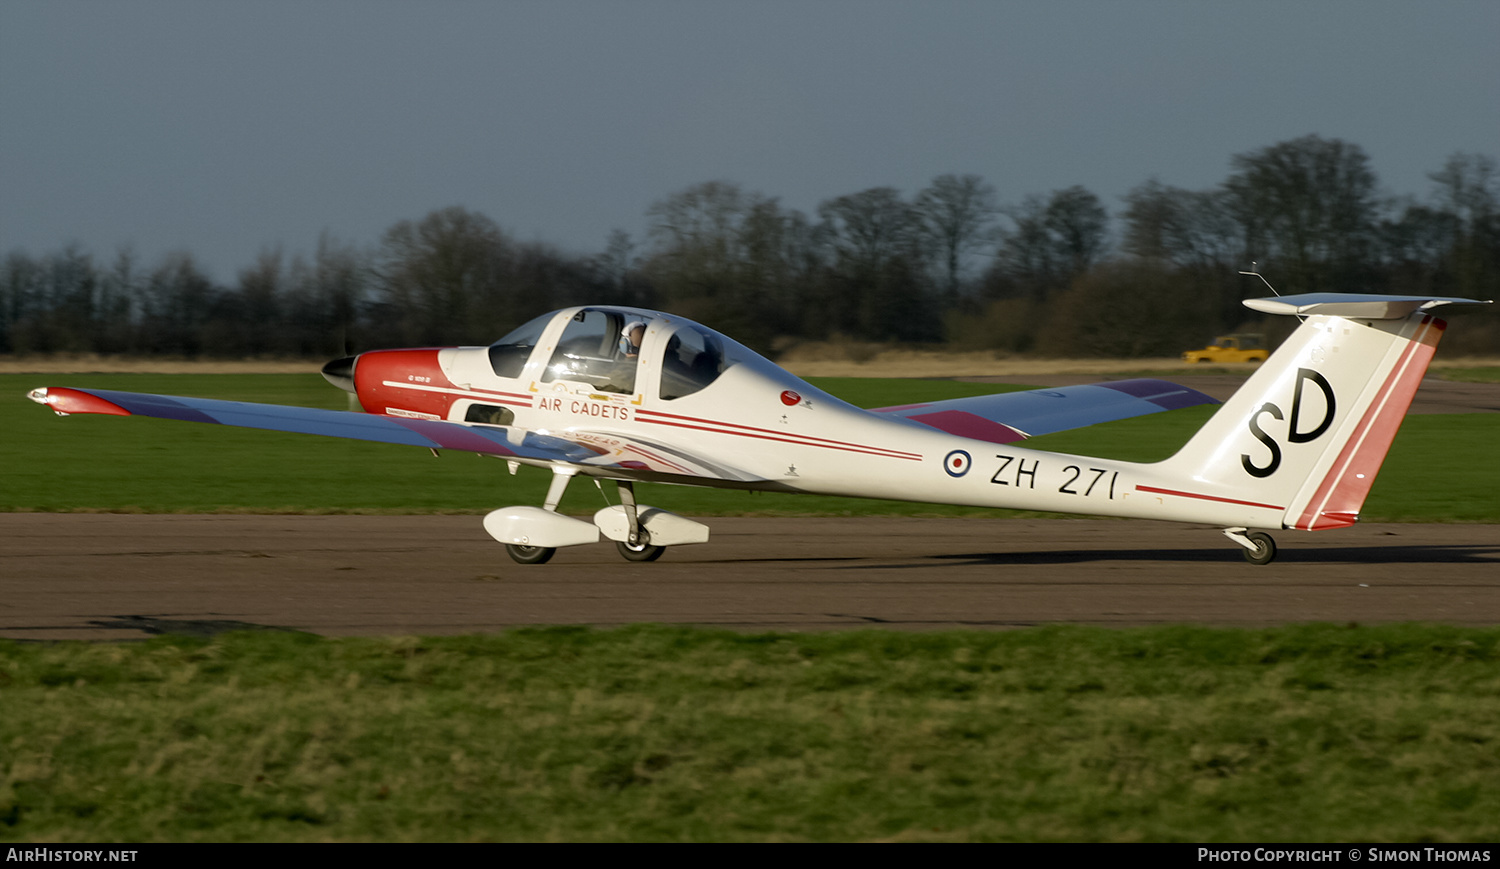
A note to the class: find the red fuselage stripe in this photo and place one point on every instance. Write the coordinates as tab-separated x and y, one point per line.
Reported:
870	451
486	394
521	395
1205	497
807	440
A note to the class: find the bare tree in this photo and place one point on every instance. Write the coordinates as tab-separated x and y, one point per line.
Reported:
877	287
700	223
957	216
442	276
615	263
1054	240
1079	226
119	291
258	299
696	256
1153	211
1027	256
868	227
1468	190
1468	187
737	259
178	299
1309	203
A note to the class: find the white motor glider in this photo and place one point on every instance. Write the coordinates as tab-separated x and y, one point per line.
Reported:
630	395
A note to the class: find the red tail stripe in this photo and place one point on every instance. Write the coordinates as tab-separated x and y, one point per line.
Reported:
1371	439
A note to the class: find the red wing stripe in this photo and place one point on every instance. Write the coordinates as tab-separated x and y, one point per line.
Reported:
870	451
1205	497
773	432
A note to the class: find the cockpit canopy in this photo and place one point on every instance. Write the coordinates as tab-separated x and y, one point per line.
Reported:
692	359
618	350
508	355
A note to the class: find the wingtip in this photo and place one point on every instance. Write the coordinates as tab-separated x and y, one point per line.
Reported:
64	401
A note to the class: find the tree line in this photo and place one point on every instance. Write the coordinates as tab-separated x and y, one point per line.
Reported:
1053	273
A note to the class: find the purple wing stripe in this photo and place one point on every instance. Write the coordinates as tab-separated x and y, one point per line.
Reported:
159	406
268	417
1168	396
447	436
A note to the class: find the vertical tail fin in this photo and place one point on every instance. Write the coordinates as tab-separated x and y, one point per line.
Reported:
1307	433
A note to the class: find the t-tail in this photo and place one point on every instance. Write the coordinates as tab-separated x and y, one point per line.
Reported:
1307	433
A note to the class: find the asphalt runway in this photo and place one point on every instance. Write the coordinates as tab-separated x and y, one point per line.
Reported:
105	577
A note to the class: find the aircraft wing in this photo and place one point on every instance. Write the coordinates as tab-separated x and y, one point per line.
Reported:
1014	416
598	454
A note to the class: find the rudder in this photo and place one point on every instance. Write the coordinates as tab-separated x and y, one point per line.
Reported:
1307	433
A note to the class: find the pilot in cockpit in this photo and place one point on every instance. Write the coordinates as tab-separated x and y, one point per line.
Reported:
630	339
621	374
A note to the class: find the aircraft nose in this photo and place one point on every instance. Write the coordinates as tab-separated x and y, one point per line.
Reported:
340	372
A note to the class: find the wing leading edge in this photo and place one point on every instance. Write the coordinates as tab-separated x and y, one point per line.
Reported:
624	457
1014	416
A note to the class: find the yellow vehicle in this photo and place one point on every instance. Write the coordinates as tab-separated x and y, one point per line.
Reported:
1242	347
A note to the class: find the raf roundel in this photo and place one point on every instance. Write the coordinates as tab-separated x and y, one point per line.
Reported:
957	463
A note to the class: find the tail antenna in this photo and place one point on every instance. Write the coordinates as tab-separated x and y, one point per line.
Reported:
1255	272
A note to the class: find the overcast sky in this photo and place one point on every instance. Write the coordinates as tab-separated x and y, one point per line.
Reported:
225	128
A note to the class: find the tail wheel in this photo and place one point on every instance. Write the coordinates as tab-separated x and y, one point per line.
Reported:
1265	548
640	551
529	554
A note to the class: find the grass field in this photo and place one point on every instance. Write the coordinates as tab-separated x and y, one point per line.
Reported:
110	464
1311	733
1474	374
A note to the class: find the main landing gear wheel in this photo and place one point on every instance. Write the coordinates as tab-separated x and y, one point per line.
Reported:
1265	548
640	551
529	554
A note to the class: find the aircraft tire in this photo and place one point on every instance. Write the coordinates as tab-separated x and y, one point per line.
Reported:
1265	548
529	554
643	552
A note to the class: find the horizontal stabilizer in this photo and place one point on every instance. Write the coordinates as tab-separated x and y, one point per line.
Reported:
1358	306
